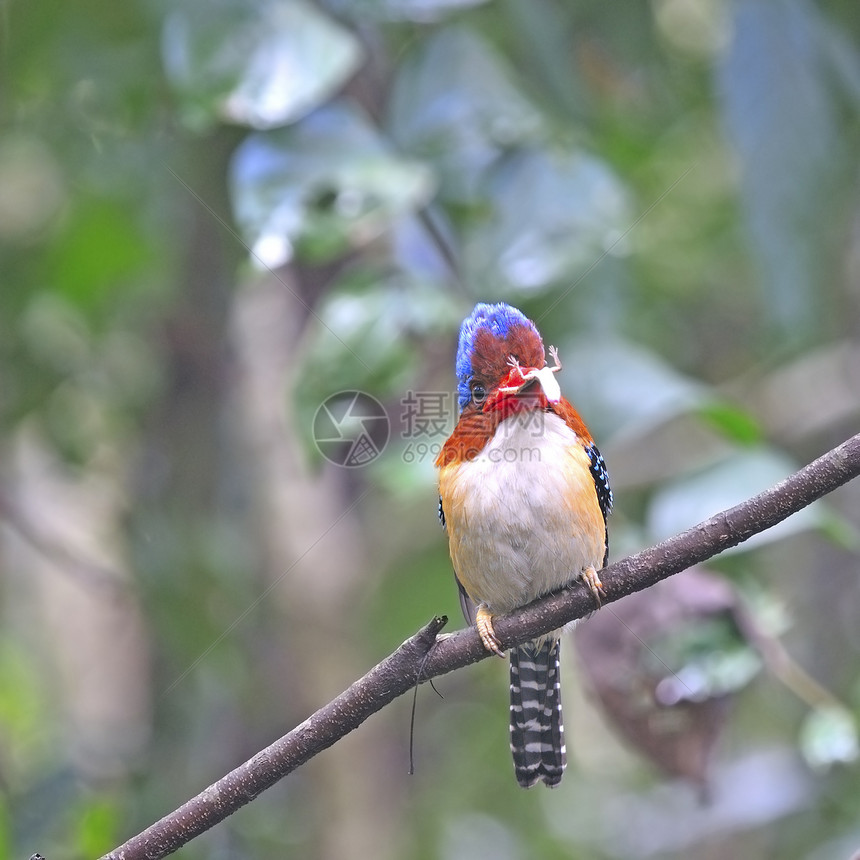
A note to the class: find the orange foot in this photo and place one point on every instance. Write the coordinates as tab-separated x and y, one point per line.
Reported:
595	586
484	624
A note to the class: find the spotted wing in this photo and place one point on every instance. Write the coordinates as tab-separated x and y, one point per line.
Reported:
600	474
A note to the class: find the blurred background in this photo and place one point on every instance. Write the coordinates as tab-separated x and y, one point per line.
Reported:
215	216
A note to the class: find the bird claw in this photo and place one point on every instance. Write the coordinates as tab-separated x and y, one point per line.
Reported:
595	586
484	625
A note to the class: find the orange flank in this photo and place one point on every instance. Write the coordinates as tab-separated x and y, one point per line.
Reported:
564	409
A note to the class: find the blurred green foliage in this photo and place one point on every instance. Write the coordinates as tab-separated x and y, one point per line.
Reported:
215	215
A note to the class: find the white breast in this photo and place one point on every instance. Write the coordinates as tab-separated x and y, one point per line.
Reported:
523	517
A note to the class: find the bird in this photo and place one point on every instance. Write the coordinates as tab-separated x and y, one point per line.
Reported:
524	497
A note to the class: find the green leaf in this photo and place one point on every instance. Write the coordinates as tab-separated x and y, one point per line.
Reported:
454	105
779	109
421	11
97	826
734	423
625	388
6	849
259	63
33	188
367	339
97	256
325	183
703	658
554	214
829	736
844	533
23	702
689	500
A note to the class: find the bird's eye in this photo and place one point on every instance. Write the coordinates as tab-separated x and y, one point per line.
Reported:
479	393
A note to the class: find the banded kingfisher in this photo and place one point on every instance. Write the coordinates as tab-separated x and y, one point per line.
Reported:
523	496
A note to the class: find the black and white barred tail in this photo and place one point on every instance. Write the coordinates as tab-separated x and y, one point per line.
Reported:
537	728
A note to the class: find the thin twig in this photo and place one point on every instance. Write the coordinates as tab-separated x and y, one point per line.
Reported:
86	572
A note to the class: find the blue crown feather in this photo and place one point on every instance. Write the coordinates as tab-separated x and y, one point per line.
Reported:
499	319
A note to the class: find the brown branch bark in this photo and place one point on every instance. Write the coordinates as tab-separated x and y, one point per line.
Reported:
430	655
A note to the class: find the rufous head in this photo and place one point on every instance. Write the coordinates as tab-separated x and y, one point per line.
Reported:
501	363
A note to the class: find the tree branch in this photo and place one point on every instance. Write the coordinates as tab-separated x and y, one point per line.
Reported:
429	655
88	573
